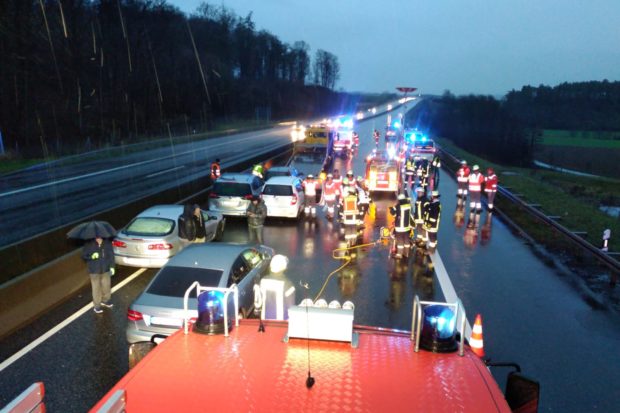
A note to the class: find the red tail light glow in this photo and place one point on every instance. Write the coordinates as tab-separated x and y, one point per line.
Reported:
133	315
294	200
248	196
213	195
160	247
119	244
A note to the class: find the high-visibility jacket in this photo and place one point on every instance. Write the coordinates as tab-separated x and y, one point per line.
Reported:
363	197
310	186
215	170
422	167
338	182
418	211
402	217
349	210
410	167
432	214
462	175
436	162
490	183
475	182
330	190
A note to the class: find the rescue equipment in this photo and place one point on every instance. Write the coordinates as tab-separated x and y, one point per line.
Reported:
476	342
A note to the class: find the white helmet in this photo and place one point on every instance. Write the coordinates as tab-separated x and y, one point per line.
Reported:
278	263
401	197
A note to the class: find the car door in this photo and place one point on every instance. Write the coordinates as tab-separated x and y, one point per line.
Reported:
301	196
210	225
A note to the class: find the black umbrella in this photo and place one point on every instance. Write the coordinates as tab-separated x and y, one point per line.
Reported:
92	230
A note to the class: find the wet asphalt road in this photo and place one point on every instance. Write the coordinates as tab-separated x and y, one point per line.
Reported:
532	314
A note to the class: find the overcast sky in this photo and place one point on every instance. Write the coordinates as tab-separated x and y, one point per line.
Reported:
465	46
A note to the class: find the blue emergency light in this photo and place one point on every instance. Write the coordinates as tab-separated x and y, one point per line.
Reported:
438	329
211	313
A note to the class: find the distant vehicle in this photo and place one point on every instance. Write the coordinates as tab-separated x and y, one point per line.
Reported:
343	142
317	137
231	193
152	237
382	173
281	171
298	133
420	144
284	197
159	309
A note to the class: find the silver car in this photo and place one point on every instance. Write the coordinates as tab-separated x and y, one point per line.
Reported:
159	309
231	193
152	237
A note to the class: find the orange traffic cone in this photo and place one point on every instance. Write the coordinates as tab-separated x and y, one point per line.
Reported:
475	342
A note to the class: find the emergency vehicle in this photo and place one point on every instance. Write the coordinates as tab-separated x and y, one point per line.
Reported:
316	138
382	173
420	145
342	142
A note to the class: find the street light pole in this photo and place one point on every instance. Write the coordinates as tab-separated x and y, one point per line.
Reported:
405	90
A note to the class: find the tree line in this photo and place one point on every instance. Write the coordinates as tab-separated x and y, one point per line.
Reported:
110	71
505	130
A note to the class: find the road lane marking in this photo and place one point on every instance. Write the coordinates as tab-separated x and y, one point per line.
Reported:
165	171
119	168
445	283
21	353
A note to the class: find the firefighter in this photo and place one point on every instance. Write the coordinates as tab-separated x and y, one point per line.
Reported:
432	215
216	171
436	166
376	135
462	176
338	180
310	186
363	199
402	226
490	187
329	194
418	216
258	170
475	181
410	171
350	216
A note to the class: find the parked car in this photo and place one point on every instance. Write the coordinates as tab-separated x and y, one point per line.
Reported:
152	237
281	171
159	309
284	196
231	193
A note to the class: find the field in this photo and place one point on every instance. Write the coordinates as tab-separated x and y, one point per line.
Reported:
583	139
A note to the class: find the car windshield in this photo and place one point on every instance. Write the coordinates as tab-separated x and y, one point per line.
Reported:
420	144
174	281
278	190
232	189
145	226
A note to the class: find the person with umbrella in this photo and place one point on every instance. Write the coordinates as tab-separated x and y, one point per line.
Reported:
99	257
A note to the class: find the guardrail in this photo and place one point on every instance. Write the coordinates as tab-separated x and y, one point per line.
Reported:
573	236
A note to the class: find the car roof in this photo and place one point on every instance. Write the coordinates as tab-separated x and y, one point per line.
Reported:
212	255
162	211
280	168
282	180
236	178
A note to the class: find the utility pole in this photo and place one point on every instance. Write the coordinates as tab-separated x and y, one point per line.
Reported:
405	90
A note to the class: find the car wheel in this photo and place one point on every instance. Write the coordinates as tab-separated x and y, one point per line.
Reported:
219	233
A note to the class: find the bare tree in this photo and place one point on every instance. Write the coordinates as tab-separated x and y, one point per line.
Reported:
326	69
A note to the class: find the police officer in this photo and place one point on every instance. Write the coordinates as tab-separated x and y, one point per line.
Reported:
432	215
402	226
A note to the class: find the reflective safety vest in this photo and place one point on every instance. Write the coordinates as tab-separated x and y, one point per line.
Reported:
363	196
419	206
436	162
410	167
490	183
402	219
475	182
215	170
309	187
462	175
330	190
349	210
432	214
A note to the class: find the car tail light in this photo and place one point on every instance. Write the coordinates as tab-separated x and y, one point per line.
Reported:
160	247
213	195
119	244
249	197
133	315
294	200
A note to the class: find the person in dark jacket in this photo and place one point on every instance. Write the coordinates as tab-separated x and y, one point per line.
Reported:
186	224
199	225
256	213
99	257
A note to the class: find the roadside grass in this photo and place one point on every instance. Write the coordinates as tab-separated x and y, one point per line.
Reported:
8	164
575	199
584	139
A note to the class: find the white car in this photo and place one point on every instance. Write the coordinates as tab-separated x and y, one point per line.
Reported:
231	193
284	196
152	237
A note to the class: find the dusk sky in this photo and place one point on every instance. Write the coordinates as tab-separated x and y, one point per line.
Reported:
476	46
